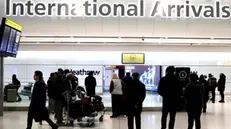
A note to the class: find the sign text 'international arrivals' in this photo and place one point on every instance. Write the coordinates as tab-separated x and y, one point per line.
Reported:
101	8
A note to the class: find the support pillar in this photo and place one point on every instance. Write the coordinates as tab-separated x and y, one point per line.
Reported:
1	85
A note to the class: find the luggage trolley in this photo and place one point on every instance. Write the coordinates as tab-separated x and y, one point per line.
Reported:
70	99
96	100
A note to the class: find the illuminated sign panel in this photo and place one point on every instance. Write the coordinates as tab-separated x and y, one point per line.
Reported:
13	25
133	58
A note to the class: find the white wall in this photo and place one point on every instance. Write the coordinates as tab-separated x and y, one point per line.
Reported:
25	71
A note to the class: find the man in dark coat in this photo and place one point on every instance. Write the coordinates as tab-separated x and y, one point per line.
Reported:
50	91
212	84
37	108
221	87
204	83
58	98
136	96
90	84
127	80
194	94
170	91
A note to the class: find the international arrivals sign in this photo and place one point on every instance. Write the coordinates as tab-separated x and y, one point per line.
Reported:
101	8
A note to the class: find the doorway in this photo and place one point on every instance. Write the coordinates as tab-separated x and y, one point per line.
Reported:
108	71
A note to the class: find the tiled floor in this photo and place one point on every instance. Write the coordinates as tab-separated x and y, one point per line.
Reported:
218	117
151	100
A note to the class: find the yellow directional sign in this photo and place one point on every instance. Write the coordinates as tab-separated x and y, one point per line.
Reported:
133	58
12	24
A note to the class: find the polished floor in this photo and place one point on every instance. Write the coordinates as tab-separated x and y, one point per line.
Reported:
217	117
151	100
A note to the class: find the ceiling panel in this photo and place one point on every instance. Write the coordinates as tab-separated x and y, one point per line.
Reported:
145	27
128	27
77	26
94	26
110	26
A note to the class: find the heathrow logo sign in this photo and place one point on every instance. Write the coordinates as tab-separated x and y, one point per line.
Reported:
84	72
101	8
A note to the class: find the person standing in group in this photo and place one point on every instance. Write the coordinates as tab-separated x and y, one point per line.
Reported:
50	90
170	91
212	84
127	80
68	83
221	87
136	96
194	93
204	83
61	72
58	98
116	94
90	84
16	82
37	109
75	80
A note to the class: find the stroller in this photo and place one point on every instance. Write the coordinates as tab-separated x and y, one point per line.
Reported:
77	109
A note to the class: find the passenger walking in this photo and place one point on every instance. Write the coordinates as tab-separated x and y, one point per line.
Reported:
37	109
204	83
90	84
116	94
221	87
170	91
136	96
194	93
212	83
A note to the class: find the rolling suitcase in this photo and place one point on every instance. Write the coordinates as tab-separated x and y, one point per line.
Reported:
11	95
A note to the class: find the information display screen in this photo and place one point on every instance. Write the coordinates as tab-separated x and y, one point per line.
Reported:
149	75
10	33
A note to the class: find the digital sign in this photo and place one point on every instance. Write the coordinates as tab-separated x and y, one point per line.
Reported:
10	33
133	58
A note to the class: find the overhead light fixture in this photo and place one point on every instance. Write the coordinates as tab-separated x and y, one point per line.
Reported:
72	39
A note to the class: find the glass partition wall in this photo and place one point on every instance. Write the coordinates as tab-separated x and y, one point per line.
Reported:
149	75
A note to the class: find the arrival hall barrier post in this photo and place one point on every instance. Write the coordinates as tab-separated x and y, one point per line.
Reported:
1	84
